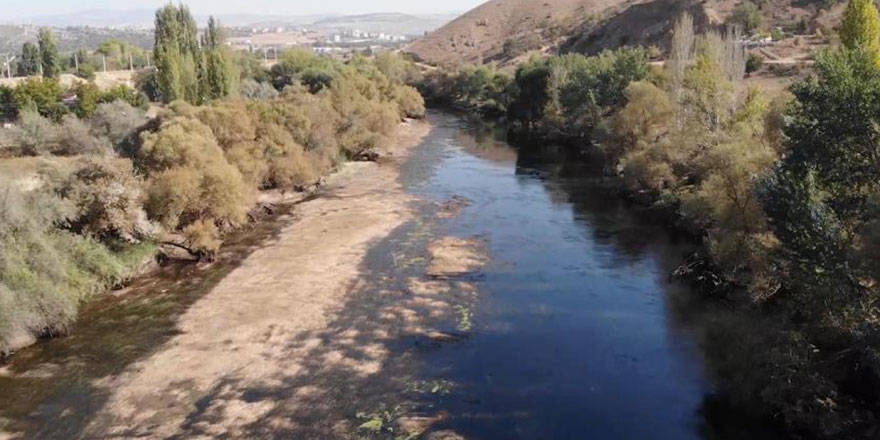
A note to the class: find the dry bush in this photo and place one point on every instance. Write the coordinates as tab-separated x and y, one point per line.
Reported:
294	170
410	102
257	91
189	178
250	159
108	200
727	201
34	133
648	115
118	121
202	235
180	141
76	138
230	121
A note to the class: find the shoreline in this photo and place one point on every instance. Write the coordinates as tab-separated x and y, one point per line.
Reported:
283	290
289	284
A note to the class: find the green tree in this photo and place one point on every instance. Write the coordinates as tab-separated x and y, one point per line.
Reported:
820	194
218	77
49	54
747	15
834	130
753	63
177	54
88	97
30	60
861	28
42	95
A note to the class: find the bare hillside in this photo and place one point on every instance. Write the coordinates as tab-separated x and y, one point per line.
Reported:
505	31
501	30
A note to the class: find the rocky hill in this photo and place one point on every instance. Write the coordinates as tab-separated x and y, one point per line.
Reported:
506	31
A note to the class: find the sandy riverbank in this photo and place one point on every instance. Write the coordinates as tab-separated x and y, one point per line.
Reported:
239	331
294	333
252	330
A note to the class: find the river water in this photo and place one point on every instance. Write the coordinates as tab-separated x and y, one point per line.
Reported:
577	331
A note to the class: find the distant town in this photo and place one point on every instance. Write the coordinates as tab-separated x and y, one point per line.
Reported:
268	41
267	37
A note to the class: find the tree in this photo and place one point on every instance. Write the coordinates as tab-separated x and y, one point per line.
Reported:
35	133
88	97
177	54
257	91
49	54
30	60
747	15
42	95
860	29
680	56
118	121
833	130
125	93
218	76
108	198
753	63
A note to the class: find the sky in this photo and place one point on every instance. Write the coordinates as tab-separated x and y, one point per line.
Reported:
12	9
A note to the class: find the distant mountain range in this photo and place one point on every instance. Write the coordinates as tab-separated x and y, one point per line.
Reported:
143	18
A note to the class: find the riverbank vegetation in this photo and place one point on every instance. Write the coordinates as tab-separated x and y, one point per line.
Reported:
121	185
784	191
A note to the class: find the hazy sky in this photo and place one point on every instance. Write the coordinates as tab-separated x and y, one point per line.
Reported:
10	9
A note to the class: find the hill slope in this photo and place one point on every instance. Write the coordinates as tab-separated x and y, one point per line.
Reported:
505	31
501	30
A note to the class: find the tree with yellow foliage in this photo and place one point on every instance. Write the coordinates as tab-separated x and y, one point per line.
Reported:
861	28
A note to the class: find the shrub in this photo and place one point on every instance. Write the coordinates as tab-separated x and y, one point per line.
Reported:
258	91
88	96
75	138
35	134
108	200
86	72
203	236
118	122
293	170
747	15
754	63
229	121
42	95
410	102
46	273
397	69
250	159
147	82
189	178
127	94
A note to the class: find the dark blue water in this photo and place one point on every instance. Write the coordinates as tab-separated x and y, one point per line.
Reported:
577	333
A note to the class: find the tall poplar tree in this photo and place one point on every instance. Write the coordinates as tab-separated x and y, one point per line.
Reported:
49	54
30	60
217	76
177	54
860	29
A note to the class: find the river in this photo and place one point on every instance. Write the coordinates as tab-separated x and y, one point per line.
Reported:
576	330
